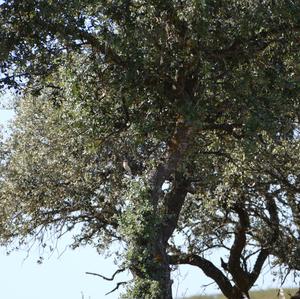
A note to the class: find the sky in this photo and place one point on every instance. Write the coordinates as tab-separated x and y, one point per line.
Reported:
62	275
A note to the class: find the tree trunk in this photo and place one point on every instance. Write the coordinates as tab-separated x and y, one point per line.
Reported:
154	266
152	273
238	294
151	268
164	271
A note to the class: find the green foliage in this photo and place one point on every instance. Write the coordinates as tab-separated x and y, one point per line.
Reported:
139	225
144	288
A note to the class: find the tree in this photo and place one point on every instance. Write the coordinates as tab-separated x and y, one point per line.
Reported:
163	84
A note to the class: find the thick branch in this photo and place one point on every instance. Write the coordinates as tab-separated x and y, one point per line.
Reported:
272	209
274	225
177	147
262	256
173	205
66	31
207	267
234	266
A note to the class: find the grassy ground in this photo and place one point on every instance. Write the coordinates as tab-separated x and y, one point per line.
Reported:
265	294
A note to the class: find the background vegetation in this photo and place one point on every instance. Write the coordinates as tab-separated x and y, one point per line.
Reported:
263	294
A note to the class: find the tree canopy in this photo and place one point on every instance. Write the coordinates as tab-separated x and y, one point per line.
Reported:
200	97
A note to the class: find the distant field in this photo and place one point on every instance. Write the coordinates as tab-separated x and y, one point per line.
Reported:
265	294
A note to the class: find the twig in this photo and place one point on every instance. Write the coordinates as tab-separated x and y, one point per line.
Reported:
208	285
285	277
107	278
117	286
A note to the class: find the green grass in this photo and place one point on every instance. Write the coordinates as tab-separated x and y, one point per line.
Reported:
264	294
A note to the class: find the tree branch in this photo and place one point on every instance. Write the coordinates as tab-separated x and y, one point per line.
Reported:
207	267
173	204
262	256
177	146
107	278
238	274
90	38
265	252
117	287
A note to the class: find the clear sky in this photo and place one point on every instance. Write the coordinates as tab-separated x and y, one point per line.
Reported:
62	276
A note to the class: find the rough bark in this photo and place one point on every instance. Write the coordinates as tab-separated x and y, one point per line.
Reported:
238	274
173	205
169	205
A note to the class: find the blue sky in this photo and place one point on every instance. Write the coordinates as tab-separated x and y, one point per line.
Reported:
62	276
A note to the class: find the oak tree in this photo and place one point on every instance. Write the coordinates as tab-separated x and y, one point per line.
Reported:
193	94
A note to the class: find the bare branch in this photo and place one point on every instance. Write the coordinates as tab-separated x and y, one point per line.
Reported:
117	287
107	278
